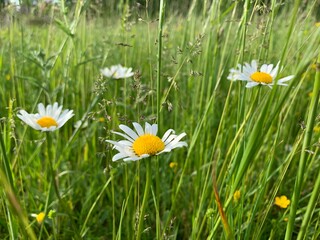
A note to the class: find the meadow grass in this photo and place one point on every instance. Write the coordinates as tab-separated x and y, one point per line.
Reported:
259	142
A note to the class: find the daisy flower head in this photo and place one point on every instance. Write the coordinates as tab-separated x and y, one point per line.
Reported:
48	118
266	75
142	143
117	72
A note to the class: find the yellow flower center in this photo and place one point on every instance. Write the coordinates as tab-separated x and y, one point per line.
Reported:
147	144
47	122
261	77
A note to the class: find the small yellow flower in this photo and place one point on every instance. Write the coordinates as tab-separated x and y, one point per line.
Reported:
236	196
316	129
101	119
317	24
314	66
8	77
40	217
282	201
70	204
285	219
173	165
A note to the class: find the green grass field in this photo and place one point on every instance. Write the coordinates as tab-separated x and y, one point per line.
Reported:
247	147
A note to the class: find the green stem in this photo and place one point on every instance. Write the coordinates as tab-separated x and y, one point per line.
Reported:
6	161
52	177
161	15
316	189
159	66
8	174
145	198
310	209
54	184
16	209
304	154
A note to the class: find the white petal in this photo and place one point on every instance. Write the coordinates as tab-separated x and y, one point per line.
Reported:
119	156
166	135
62	120
133	158
126	143
147	128
41	109
169	139
138	128
251	84
128	131
254	65
28	119
57	112
106	72
285	79
154	129
282	84
269	68
165	150
244	77
274	72
177	139
264	68
123	135
180	144
116	144
49	110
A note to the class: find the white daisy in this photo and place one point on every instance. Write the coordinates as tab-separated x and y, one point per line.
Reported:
117	72
265	76
47	119
144	143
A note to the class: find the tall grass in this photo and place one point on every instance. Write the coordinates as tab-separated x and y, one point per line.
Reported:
250	140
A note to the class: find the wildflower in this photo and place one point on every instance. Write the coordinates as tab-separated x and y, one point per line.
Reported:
117	72
40	217
265	76
282	201
316	129
101	119
236	196
317	24
314	65
47	119
8	77
173	165
144	143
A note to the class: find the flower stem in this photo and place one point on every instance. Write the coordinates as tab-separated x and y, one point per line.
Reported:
304	156
316	189
6	163
161	15
145	199
159	65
